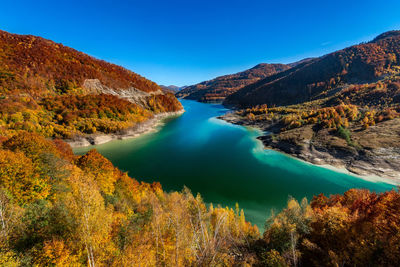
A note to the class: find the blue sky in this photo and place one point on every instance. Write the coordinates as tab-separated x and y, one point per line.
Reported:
185	42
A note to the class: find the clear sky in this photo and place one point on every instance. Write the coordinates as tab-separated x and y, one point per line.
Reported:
185	42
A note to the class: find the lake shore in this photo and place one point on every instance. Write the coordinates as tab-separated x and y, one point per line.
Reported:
226	164
148	126
377	164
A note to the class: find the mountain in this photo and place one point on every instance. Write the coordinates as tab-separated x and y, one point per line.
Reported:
69	93
219	88
41	66
341	109
172	88
295	64
320	77
63	209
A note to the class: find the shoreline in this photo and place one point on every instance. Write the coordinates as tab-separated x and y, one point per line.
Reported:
311	155
135	131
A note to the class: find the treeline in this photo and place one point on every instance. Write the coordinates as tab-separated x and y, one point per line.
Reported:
58	209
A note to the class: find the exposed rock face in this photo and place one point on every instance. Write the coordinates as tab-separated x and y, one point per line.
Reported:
94	86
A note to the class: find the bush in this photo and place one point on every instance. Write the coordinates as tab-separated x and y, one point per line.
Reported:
345	134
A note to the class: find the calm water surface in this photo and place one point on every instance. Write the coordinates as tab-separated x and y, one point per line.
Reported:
224	163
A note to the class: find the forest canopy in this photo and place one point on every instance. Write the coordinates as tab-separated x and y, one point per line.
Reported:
60	209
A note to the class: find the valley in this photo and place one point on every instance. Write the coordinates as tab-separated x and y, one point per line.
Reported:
292	164
226	164
342	109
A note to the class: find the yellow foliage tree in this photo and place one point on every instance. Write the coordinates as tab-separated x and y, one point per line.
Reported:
93	218
19	176
105	174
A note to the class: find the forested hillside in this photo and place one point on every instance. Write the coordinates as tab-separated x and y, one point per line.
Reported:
172	88
57	209
57	91
323	76
219	88
341	109
38	66
60	209
358	228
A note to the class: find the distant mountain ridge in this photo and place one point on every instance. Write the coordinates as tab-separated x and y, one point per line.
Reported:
305	60
219	88
172	88
319	77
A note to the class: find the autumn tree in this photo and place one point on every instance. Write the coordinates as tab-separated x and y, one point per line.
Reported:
93	218
19	176
285	230
104	173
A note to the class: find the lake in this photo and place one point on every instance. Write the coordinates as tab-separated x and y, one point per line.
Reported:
225	163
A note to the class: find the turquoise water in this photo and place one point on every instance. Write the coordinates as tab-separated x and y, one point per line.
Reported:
225	163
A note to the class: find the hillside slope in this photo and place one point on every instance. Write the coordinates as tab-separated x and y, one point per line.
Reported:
172	88
57	91
320	77
60	209
342	109
219	88
42	66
